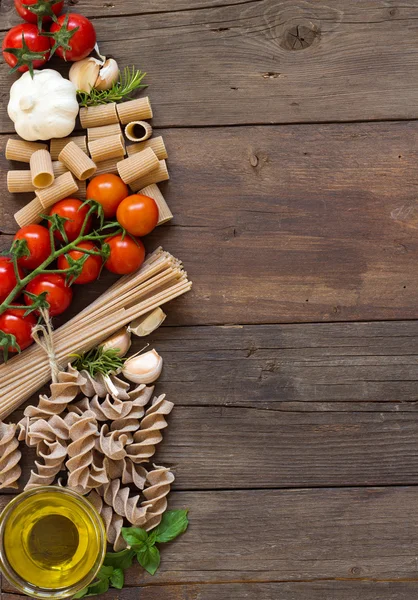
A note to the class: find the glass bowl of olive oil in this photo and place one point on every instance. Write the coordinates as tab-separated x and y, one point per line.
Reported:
52	542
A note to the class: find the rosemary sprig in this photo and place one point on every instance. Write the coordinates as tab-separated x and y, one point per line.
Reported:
98	360
129	81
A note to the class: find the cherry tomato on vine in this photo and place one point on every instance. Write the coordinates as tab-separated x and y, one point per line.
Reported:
73	37
108	190
126	254
73	210
25	49
39	245
14	322
7	277
38	11
91	267
138	214
59	294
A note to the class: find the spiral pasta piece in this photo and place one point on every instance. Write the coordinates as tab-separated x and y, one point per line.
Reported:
10	456
113	522
112	444
149	433
101	386
62	393
124	505
53	463
127	471
159	481
83	434
42	430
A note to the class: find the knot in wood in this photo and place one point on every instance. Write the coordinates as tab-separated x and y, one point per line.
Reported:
300	37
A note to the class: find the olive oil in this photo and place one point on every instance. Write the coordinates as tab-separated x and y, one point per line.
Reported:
52	540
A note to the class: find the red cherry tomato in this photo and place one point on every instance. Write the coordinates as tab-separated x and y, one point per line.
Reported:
69	44
108	190
22	58
73	210
14	322
59	294
34	11
39	245
91	267
138	214
126	254
7	277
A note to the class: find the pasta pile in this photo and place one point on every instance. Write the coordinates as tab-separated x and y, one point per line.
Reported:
94	435
62	171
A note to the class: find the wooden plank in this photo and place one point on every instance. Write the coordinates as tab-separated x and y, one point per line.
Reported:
295	535
321	590
217	447
312	232
264	61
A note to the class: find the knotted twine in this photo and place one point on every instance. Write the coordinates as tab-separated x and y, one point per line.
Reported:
43	336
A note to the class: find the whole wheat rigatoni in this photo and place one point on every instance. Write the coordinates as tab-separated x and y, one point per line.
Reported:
157	176
134	110
57	144
138	165
19	182
97	116
63	187
79	163
31	213
95	133
157	144
138	131
41	169
164	212
59	168
107	166
21	151
108	147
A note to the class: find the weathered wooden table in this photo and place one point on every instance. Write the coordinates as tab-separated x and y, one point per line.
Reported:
293	141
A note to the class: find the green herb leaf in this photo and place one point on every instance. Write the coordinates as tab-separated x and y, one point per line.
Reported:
117	579
129	81
120	560
98	360
134	536
149	559
105	572
98	587
173	524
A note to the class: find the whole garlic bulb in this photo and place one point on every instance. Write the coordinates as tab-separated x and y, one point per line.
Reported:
143	368
93	73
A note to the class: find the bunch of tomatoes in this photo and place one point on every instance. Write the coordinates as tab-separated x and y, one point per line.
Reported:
122	252
29	46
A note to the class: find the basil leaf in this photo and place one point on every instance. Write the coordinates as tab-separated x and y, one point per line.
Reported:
149	559
134	536
105	572
98	587
117	579
173	523
80	594
120	560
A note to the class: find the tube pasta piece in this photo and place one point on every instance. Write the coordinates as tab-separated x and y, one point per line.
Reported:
157	176
82	190
53	462
108	147
138	131
58	144
134	110
159	481
59	168
10	456
63	187
164	213
95	133
41	169
157	144
21	151
124	505
149	434
19	182
77	161
107	166
138	165
62	393
31	213
83	434
98	116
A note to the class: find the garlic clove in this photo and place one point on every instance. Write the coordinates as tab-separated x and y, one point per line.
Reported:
120	340
108	75
83	73
148	323
144	368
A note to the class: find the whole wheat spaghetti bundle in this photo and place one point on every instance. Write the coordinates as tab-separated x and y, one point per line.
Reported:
160	279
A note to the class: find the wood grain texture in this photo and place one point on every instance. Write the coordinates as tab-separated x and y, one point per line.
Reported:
262	61
295	535
321	590
274	230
